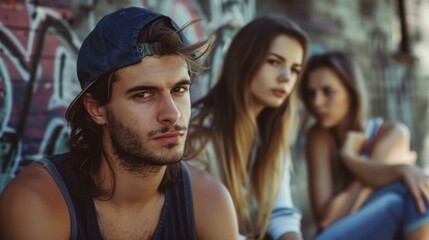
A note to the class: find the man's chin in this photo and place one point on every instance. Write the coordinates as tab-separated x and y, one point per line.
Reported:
174	161
173	146
172	157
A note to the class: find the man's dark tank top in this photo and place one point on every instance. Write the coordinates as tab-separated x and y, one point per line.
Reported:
177	216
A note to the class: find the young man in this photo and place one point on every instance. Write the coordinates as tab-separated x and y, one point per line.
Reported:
124	178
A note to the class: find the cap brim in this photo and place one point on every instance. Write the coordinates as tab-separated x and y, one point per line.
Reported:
76	99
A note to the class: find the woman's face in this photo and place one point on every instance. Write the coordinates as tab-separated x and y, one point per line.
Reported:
330	100
278	73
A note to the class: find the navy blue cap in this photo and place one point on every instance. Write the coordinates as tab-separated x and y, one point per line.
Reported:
112	44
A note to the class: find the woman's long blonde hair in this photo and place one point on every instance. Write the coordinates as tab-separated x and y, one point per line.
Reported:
234	130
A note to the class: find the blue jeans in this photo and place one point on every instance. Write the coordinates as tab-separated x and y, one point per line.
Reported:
389	213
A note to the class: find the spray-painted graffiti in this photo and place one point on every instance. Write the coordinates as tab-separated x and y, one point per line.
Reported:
37	81
227	16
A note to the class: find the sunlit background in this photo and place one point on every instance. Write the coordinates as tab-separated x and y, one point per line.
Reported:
39	41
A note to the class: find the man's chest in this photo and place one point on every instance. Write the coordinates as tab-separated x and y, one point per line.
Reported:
116	230
129	224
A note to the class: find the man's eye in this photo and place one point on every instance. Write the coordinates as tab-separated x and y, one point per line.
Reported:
142	95
180	89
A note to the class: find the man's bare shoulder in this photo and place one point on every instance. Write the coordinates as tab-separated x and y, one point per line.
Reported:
32	206
32	182
212	206
206	189
202	179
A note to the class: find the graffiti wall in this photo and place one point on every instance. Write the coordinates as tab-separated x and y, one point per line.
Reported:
37	81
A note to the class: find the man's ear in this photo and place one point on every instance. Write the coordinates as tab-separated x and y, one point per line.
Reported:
94	109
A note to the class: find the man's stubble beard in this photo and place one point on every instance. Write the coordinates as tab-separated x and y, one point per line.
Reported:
133	156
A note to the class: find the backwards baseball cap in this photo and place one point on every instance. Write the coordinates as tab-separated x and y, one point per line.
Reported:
112	44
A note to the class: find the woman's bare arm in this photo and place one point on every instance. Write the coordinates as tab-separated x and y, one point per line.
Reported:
377	173
388	152
378	169
327	207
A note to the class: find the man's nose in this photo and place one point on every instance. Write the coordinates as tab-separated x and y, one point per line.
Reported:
168	113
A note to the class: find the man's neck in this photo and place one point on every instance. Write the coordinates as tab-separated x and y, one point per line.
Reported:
136	205
129	188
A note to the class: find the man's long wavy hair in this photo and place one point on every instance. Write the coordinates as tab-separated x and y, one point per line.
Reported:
234	130
86	136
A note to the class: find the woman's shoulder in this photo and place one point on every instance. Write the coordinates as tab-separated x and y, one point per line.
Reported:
318	133
392	143
393	129
391	132
320	140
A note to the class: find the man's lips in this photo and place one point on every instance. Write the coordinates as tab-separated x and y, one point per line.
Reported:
170	137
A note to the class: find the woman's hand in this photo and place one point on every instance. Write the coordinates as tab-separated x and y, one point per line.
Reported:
364	194
342	204
380	173
354	143
417	182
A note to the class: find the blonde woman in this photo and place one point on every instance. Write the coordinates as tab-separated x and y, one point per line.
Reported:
240	130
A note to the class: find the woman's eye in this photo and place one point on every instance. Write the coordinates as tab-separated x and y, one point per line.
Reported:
296	70
273	62
328	92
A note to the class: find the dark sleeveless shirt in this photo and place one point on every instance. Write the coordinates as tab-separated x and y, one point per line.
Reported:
177	216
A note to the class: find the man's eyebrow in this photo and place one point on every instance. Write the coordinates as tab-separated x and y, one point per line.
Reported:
184	82
141	88
153	88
